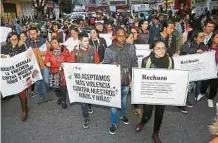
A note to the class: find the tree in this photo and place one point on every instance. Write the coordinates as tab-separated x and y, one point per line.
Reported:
39	6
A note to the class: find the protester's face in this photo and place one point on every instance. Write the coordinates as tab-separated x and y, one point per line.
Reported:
93	34
161	18
145	25
215	39
200	37
24	28
55	44
120	37
135	36
100	27
170	28
14	40
33	34
159	50
23	37
155	21
55	28
74	34
109	27
209	28
130	39
85	42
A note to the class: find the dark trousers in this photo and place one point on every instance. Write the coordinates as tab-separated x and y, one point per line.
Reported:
85	109
61	93
213	87
158	116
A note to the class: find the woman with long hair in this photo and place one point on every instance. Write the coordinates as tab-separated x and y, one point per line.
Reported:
11	49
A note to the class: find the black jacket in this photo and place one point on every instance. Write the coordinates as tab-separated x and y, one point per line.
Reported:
99	46
171	47
8	50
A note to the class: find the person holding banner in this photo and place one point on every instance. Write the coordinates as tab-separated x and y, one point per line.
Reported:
10	50
157	59
38	44
213	45
193	46
124	54
85	53
98	43
53	60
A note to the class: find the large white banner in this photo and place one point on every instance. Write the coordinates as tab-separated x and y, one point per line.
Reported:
201	66
93	83
142	51
107	38
19	72
159	86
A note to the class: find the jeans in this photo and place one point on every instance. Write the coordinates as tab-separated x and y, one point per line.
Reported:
46	78
42	86
124	93
41	89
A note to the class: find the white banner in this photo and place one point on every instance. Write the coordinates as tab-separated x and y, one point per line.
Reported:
93	83
19	72
142	51
201	66
159	86
107	38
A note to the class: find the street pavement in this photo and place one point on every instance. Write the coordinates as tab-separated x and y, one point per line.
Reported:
49	123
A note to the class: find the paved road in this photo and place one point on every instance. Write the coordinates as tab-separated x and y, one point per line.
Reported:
49	123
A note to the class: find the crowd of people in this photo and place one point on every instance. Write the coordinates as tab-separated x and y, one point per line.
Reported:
78	41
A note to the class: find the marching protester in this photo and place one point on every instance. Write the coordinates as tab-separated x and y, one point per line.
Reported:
22	41
135	32
124	54
98	43
166	36
39	47
53	60
85	53
208	29
213	83
144	32
55	32
11	49
73	41
157	59
154	28
192	46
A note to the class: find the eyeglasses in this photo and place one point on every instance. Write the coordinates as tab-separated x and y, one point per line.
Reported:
159	48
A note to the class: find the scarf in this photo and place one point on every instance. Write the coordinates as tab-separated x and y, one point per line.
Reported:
160	62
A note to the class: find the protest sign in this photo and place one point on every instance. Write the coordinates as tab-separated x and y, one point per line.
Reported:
142	51
159	86
18	73
93	83
107	38
201	66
